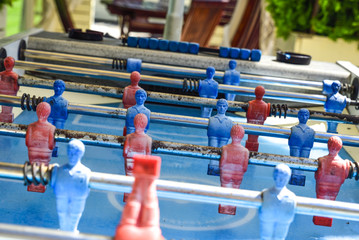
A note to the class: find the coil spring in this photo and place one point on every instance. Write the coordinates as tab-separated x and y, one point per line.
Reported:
190	85
30	103
36	173
278	109
119	63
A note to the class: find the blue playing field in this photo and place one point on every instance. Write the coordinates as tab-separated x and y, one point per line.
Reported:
180	219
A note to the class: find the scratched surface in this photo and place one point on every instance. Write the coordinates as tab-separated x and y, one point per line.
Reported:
180	219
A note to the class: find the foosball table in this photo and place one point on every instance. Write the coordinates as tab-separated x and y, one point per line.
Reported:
189	192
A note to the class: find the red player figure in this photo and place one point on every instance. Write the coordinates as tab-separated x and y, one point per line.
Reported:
233	164
128	98
136	143
257	113
141	215
8	86
129	92
40	141
331	173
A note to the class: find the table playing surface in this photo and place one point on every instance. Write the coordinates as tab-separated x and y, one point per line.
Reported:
180	218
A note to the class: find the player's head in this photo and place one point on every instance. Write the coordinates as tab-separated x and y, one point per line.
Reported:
59	87
303	115
232	64
9	63
222	106
334	145
135	78
237	133
43	111
259	92
140	122
210	72
75	151
336	86
281	175
140	96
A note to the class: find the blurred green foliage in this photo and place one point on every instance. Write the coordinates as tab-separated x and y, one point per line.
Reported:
332	18
6	2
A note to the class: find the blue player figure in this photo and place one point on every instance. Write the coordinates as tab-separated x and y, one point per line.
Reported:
300	143
218	132
278	206
231	77
141	97
208	88
59	104
335	103
70	183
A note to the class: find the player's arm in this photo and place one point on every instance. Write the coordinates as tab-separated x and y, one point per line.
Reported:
51	139
149	146
28	136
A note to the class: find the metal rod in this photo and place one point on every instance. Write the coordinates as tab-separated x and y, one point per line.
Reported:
263	130
173	70
176	99
213	194
11	231
163	81
164	147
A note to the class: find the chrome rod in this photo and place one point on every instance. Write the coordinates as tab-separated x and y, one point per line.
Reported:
176	99
163	81
11	231
213	194
173	70
263	130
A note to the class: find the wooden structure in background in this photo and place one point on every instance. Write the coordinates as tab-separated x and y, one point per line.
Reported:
199	24
247	34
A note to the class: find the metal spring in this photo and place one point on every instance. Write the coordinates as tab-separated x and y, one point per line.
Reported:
278	109
119	63
36	173
30	103
190	85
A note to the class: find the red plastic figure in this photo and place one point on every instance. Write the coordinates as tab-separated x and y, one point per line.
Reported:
128	98
257	113
136	143
40	141
129	92
8	86
331	173
141	215
233	164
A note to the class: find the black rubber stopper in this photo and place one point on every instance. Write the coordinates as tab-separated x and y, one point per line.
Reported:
22	48
355	87
3	55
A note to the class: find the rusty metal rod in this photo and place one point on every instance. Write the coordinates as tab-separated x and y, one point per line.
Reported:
164	147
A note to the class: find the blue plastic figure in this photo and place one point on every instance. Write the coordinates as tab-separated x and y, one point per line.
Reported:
141	97
278	206
335	103
301	139
231	77
208	88
300	143
58	105
218	132
70	183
